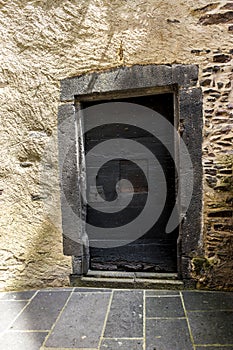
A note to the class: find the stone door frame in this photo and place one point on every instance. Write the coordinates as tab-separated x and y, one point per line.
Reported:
182	80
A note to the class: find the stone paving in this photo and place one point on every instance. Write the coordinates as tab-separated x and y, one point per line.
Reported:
91	319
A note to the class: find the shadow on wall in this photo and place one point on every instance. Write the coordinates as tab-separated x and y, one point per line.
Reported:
44	263
38	263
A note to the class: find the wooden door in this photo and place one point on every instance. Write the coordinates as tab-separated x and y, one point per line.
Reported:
155	251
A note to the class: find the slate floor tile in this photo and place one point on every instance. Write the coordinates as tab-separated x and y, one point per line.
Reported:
125	319
211	327
92	290
8	311
162	293
22	340
57	289
121	344
42	311
25	295
214	348
164	307
81	323
208	300
170	334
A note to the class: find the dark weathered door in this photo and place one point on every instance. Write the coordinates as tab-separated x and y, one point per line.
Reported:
155	251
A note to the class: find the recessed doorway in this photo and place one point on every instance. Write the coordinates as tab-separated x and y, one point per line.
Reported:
155	251
171	90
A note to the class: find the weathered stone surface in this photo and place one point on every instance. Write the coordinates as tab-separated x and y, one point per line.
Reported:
162	293
205	82
81	311
222	58
125	319
217	18
25	295
215	327
123	344
214	348
228	6
42	311
164	307
191	114
184	75
8	311
206	8
23	341
207	300
69	181
125	78
167	334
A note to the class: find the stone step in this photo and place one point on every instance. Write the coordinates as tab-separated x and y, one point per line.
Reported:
124	274
125	280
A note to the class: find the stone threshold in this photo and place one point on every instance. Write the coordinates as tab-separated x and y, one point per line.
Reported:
126	280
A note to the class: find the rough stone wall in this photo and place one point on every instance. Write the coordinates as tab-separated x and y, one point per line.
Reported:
46	41
217	267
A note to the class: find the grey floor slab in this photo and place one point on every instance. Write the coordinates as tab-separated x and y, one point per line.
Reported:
42	311
162	293
92	290
214	348
208	300
81	323
170	334
125	319
164	307
22	341
121	344
8	311
57	289
212	327
25	295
